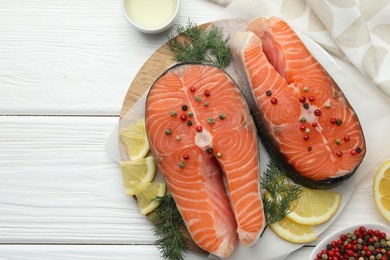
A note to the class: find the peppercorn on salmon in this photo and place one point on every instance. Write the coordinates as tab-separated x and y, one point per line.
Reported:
302	115
200	129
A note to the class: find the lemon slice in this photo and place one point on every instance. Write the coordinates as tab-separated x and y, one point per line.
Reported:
293	232
314	207
135	140
135	171
381	190
146	194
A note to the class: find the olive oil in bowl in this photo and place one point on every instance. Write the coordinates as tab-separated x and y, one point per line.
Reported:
150	16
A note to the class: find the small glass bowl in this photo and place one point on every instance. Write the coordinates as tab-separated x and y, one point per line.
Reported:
350	229
150	30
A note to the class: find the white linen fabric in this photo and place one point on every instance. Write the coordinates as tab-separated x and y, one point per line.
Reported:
222	2
357	31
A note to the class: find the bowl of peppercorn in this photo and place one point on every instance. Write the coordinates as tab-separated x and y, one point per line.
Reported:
362	241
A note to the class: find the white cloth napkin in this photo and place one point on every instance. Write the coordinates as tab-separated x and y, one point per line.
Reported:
222	2
355	30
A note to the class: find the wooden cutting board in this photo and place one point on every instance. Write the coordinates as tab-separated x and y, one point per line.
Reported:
157	63
160	61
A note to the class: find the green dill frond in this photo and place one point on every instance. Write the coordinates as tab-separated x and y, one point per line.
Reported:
193	43
218	44
280	193
167	225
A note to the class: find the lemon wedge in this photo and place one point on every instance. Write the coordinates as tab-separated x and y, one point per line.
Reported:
381	189
135	171
139	171
293	232
146	195
314	207
135	140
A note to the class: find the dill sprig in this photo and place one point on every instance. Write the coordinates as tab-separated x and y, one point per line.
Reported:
280	193
197	44
168	224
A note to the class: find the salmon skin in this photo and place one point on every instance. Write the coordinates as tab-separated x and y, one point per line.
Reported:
200	129
302	116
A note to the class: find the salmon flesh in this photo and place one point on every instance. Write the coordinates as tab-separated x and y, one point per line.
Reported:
302	116
201	134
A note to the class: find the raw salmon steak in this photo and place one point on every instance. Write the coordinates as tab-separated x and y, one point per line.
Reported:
301	114
200	130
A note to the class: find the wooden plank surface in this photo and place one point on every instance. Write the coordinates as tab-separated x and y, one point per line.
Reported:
65	68
75	57
100	252
59	185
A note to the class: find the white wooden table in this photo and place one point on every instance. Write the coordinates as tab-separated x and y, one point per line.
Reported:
65	67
